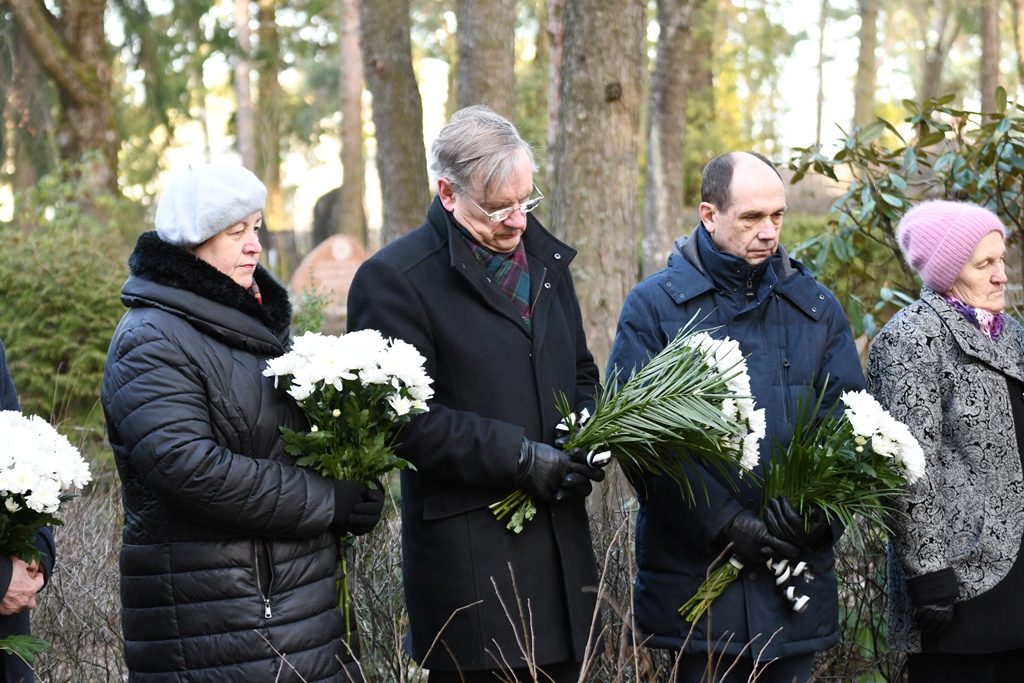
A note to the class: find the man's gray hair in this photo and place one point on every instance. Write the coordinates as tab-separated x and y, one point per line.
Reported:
477	150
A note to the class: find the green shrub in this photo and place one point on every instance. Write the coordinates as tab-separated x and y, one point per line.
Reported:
61	271
953	154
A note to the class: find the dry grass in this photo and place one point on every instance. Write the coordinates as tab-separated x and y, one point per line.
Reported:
78	611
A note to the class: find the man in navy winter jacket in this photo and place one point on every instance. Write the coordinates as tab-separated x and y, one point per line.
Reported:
733	277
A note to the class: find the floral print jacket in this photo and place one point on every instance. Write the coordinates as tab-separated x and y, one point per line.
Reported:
933	370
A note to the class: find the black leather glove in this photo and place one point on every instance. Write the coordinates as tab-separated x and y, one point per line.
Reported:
541	470
357	509
751	540
367	512
783	521
933	617
932	596
578	481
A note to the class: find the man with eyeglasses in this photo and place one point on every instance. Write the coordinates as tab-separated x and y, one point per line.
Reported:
733	277
484	292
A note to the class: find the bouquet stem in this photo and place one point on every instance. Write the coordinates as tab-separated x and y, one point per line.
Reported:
519	504
343	596
713	586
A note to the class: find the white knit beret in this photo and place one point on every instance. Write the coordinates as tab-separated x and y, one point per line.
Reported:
206	199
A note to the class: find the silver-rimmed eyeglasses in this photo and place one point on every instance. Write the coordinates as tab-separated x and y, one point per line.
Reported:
503	214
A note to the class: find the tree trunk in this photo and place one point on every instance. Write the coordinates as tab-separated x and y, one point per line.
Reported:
936	52
555	31
1018	34
820	104
486	55
864	89
267	142
989	54
27	106
397	115
665	184
244	128
72	49
595	205
350	209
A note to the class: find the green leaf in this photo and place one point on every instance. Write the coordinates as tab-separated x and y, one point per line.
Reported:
892	200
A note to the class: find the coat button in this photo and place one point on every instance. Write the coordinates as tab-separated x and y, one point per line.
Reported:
557	256
547	285
814	309
752	576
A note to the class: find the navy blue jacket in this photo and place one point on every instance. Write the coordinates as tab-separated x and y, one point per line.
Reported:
795	334
13	669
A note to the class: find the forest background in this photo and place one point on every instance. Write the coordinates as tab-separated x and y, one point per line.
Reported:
625	99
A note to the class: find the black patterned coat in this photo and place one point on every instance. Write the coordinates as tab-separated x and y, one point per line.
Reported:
933	370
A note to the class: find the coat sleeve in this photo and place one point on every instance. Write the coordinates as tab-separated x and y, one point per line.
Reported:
840	362
640	337
159	407
904	375
459	446
8	395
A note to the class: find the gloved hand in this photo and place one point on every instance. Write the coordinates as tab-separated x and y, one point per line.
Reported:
541	470
357	508
933	617
578	480
783	521
367	512
751	540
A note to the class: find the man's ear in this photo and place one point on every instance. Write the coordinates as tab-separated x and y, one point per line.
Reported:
708	212
446	191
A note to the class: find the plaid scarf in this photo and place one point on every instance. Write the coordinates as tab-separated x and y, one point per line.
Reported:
255	291
509	271
991	324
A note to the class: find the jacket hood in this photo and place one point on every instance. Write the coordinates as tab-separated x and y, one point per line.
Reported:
165	276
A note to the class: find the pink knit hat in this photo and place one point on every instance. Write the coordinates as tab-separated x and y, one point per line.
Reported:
938	238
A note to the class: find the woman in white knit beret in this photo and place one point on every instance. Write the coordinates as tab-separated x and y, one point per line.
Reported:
230	550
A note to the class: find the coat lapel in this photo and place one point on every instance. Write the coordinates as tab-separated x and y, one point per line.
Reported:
1005	356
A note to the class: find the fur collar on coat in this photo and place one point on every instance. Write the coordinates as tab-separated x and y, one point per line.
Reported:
172	266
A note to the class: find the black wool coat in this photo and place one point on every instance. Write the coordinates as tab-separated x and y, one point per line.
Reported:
227	554
495	382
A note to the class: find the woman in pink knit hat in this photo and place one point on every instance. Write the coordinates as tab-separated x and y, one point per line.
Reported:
951	366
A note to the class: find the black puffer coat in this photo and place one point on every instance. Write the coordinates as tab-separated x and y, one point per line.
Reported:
228	558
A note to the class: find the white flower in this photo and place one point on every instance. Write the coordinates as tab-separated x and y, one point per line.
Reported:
39	463
400	405
863	412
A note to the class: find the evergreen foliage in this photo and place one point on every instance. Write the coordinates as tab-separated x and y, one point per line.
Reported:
953	154
61	271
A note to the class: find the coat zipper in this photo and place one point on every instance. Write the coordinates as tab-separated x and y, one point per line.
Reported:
265	596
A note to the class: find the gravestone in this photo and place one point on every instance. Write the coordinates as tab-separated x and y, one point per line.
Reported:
328	270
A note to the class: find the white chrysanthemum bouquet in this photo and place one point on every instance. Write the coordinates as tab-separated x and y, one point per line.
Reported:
355	390
38	468
690	403
846	465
